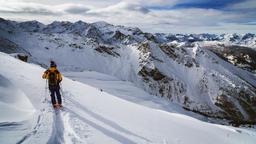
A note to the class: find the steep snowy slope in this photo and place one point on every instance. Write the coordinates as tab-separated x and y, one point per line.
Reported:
241	56
182	71
128	91
198	79
92	116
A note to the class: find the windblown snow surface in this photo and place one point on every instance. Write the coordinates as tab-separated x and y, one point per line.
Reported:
95	112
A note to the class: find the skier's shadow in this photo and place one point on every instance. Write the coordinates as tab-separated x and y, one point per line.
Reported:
110	123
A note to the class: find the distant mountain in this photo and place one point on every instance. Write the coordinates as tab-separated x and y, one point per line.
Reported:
248	39
196	71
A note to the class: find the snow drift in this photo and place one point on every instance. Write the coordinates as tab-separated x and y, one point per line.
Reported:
15	106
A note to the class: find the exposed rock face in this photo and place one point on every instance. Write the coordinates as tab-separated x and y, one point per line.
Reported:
150	37
94	33
169	50
22	57
243	57
107	50
234	101
179	54
238	106
119	36
158	83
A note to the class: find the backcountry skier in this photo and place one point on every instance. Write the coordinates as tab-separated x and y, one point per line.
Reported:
54	78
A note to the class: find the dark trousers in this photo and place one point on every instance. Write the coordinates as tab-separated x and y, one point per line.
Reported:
55	90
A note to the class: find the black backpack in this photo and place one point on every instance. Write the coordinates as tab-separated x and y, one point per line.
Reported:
52	78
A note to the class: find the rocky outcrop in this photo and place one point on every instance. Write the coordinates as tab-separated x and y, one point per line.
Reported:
238	106
107	50
21	56
231	99
240	56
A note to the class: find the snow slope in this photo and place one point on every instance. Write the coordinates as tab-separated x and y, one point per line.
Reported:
175	67
181	71
128	91
94	116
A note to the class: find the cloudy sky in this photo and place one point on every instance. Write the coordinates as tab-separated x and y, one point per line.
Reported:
174	16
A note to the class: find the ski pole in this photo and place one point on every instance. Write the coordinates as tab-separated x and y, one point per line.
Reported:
45	92
62	93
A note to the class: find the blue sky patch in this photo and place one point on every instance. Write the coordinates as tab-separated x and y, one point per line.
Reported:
204	4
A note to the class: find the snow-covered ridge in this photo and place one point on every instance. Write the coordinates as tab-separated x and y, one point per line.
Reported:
178	67
248	39
107	29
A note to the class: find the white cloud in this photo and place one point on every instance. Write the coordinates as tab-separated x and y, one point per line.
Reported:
21	7
72	8
41	9
132	13
248	4
122	7
154	2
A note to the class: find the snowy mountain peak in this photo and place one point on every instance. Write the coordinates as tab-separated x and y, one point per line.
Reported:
102	24
31	26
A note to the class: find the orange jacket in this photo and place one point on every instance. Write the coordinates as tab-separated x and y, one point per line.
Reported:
52	69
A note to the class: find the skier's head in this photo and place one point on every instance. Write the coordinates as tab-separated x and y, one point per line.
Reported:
53	64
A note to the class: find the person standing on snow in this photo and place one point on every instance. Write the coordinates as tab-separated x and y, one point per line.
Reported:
54	78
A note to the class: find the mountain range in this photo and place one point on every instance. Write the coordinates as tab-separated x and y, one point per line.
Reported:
213	75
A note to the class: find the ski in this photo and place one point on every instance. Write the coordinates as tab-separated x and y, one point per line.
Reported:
57	106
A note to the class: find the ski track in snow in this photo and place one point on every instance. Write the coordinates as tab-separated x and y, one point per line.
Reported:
118	137
61	135
64	131
40	126
24	127
57	136
33	132
61	118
